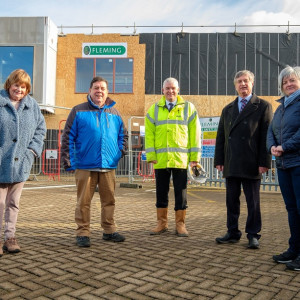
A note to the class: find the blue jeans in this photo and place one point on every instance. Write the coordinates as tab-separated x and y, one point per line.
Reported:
289	181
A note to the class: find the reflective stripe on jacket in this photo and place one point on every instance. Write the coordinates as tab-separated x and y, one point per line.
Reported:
172	138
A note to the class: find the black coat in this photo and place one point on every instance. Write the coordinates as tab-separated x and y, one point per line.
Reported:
241	139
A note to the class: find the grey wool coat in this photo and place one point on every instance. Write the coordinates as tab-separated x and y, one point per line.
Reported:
20	131
241	139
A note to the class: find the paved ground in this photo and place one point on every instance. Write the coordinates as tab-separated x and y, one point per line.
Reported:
50	266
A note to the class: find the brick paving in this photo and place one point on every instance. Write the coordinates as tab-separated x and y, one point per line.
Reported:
51	266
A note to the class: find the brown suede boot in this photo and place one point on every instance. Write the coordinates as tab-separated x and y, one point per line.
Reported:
11	246
180	226
162	221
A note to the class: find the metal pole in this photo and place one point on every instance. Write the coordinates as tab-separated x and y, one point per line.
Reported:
130	152
130	180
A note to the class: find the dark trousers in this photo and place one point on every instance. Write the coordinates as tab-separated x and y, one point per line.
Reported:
233	192
289	182
162	177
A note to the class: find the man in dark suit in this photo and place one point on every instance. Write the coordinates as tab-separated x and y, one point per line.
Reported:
242	156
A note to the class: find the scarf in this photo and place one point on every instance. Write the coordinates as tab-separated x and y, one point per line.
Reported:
290	98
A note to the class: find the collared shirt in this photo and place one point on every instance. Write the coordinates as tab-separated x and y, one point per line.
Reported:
167	103
240	102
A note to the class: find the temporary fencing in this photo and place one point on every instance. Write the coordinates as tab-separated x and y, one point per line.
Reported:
139	170
133	165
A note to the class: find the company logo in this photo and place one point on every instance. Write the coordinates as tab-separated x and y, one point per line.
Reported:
86	50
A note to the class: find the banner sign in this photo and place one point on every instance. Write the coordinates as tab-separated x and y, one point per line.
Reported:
209	128
106	50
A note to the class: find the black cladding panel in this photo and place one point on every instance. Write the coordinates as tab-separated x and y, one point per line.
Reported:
205	63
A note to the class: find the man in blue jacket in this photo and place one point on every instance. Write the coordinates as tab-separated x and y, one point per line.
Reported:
93	141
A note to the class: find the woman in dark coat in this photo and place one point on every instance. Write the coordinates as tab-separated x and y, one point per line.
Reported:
22	128
283	141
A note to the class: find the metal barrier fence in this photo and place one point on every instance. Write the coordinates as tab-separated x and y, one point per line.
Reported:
136	169
136	131
138	173
133	165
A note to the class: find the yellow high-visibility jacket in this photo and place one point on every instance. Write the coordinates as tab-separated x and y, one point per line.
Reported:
172	138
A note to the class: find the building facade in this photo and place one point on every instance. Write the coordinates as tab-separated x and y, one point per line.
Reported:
30	43
62	66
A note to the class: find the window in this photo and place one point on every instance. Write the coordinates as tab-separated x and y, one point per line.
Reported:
12	58
117	71
105	69
84	72
124	74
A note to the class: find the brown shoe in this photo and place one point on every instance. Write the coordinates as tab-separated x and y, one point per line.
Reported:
1	250
11	246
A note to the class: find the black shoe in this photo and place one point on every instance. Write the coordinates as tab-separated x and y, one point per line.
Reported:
227	238
294	265
284	257
253	243
83	241
114	237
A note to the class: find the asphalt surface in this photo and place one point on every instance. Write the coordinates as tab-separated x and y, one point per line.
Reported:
51	266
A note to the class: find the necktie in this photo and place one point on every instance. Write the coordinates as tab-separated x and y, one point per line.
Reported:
170	106
244	102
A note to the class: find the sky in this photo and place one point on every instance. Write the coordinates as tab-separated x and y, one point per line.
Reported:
139	16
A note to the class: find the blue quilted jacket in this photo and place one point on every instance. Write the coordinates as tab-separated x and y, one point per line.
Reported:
20	131
93	138
285	130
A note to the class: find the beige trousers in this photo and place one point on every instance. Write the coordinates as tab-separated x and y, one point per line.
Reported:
10	194
86	182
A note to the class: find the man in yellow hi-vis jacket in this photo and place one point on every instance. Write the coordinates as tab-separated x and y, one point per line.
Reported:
172	140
